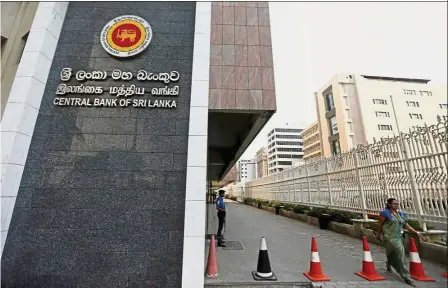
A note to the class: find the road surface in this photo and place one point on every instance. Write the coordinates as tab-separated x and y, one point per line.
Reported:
289	242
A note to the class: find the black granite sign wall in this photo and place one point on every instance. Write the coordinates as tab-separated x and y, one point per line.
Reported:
101	202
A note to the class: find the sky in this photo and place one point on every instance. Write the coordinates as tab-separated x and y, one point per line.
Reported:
313	41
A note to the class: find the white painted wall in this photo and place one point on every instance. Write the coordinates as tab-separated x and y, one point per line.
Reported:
195	198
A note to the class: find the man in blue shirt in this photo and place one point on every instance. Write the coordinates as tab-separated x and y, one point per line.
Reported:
221	207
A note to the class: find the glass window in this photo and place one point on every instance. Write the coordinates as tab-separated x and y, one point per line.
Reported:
382	114
385	127
379	101
330	102
333	125
335	147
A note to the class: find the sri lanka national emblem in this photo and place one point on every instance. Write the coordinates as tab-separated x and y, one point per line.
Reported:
126	36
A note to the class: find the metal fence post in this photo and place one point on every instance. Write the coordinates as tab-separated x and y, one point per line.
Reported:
328	182
410	172
294	187
361	191
414	189
308	181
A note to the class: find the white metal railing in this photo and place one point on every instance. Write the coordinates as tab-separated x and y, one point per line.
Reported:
411	167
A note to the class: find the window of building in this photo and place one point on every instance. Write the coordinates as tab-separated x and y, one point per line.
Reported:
284	156
409	92
425	93
443	106
289	149
382	114
412	104
335	147
284	163
445	118
330	102
380	101
289	143
289	136
288	130
385	127
415	116
333	125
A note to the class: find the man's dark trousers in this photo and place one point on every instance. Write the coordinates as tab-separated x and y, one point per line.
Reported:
221	221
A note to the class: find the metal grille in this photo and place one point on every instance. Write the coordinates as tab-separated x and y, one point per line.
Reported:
411	167
233	245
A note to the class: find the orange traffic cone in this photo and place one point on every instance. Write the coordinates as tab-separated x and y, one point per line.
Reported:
315	274
416	267
368	267
445	274
212	267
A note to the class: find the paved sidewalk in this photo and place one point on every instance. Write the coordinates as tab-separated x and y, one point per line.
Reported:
289	242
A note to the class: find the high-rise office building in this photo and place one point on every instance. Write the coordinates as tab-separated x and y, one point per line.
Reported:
285	149
262	162
356	109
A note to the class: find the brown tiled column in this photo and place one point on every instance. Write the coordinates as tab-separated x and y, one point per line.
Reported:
241	63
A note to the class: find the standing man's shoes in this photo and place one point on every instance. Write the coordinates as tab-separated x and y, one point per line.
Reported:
222	245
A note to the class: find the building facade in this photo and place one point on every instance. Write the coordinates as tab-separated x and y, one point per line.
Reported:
16	21
285	149
312	142
247	170
262	162
356	109
114	124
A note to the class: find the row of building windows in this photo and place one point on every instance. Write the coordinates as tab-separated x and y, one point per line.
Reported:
285	130
413	92
312	140
279	149
312	149
288	136
310	131
299	143
409	103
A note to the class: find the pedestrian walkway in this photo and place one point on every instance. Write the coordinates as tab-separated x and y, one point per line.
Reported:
288	243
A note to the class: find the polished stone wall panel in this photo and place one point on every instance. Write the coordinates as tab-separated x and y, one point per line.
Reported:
103	189
241	39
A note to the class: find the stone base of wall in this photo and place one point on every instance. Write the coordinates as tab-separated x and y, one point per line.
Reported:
342	228
430	251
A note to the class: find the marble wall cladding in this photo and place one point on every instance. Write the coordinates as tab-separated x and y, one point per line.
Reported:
95	205
241	62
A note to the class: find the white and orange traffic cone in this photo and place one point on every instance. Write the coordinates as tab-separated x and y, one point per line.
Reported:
368	267
264	272
315	274
416	267
212	268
